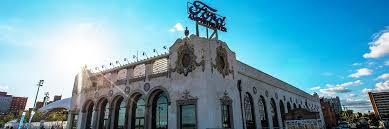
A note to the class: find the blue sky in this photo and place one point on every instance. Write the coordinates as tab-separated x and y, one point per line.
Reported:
335	48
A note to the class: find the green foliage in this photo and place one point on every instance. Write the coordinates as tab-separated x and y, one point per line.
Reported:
7	117
56	116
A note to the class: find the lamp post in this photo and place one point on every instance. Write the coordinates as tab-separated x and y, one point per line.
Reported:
40	83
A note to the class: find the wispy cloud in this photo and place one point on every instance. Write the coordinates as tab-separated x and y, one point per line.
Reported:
361	72
382	86
379	87
356	64
177	27
383	76
340	88
315	88
379	46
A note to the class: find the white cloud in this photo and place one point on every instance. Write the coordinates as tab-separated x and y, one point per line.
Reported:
315	88
351	95
383	76
334	90
356	64
354	83
339	88
379	87
361	72
382	86
359	105
380	46
366	90
177	27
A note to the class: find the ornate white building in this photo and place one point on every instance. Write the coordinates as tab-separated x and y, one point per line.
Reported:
198	84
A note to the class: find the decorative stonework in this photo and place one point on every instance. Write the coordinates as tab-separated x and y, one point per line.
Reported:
276	95
121	82
254	90
186	60
146	87
267	93
96	94
225	99
110	93
127	89
187	99
221	59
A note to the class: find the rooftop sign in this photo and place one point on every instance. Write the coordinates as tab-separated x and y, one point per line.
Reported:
206	16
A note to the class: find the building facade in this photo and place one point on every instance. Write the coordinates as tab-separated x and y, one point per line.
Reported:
329	114
199	84
5	102
380	103
18	104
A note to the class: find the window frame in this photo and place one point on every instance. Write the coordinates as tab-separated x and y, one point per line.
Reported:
187	100
225	100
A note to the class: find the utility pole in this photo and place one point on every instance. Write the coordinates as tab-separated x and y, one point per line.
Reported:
40	83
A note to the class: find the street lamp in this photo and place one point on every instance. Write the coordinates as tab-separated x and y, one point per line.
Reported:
40	83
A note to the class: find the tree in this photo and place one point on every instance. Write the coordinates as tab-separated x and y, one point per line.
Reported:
7	118
347	115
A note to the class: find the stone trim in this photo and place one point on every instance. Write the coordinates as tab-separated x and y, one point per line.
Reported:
226	100
143	78
158	75
186	99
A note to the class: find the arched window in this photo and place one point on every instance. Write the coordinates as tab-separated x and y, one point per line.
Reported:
282	110
288	106
294	106
88	109
138	113
103	115
263	112
120	113
274	114
160	111
249	111
299	105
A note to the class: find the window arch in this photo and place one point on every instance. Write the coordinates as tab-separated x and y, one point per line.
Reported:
294	106
138	112
249	111
119	113
88	109
274	114
103	114
282	111
160	111
288	106
263	112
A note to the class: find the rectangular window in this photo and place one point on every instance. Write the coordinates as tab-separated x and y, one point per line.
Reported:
188	117
226	116
74	122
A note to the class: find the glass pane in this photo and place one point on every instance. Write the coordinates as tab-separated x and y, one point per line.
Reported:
188	117
226	117
263	112
273	111
161	111
249	111
106	116
122	115
139	114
